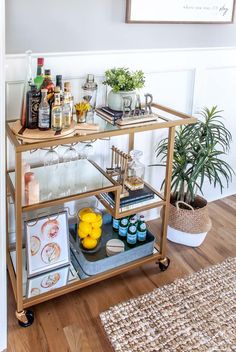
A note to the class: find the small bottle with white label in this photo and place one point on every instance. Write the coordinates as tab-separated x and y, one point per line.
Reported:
115	224
57	118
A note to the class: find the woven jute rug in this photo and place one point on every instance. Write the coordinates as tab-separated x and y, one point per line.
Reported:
196	314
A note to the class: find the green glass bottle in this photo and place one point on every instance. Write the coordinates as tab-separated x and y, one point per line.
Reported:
142	229
123	228
132	233
115	224
38	81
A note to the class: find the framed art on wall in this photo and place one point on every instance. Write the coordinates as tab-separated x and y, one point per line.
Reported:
179	11
47	243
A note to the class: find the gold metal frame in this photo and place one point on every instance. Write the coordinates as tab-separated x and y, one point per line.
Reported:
16	194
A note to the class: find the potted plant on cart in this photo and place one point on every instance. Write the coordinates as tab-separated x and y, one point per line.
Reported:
198	153
123	83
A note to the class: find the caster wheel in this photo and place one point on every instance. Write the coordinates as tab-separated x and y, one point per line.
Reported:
164	264
25	318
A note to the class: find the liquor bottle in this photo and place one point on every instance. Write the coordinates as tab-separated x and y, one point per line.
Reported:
38	81
67	89
132	234
27	84
33	98
59	84
141	229
67	113
115	224
123	228
44	122
56	112
48	84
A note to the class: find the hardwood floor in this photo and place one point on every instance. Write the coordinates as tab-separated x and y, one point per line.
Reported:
71	323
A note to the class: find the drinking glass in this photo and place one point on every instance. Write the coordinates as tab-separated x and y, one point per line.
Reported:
69	172
51	163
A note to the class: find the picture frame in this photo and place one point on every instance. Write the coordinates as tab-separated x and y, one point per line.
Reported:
47	243
48	281
180	11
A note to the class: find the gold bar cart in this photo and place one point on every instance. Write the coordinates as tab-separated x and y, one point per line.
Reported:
167	119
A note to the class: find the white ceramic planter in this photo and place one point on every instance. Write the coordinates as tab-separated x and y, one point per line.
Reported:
188	239
115	101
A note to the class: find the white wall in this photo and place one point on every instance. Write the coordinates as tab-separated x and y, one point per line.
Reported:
3	296
99	25
185	79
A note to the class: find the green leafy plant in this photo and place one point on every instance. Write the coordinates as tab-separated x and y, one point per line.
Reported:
122	79
198	152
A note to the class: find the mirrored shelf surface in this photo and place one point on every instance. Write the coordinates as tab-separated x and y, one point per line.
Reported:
65	180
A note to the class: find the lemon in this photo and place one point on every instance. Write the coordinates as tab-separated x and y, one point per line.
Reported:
82	234
89	217
84	211
89	242
85	227
97	224
96	233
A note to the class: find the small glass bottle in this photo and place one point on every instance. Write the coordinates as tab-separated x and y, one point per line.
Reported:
67	89
38	81
132	234
115	224
123	228
28	82
142	229
44	112
56	112
67	113
32	107
90	91
136	171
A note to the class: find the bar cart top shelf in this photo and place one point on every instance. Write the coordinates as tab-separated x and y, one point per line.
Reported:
167	117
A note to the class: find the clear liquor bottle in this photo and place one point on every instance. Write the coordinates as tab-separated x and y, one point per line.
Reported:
56	112
67	89
27	85
44	112
67	113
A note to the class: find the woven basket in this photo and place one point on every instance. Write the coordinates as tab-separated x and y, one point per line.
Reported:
190	220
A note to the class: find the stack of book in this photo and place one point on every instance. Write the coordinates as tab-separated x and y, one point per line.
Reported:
113	115
137	197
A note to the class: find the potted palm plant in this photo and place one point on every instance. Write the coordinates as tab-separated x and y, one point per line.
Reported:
198	153
123	83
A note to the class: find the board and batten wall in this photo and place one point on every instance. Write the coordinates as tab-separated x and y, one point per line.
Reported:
76	25
184	79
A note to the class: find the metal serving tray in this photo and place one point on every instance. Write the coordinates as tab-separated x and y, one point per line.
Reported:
96	263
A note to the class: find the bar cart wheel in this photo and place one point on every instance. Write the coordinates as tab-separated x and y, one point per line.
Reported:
25	318
164	264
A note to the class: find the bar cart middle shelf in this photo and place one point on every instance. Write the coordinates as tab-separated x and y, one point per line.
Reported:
94	182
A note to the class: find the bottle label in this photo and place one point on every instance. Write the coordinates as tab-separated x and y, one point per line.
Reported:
142	236
123	231
132	229
67	118
143	226
115	223
124	222
131	238
57	119
44	119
